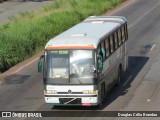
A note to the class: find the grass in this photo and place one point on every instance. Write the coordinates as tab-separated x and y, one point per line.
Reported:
27	34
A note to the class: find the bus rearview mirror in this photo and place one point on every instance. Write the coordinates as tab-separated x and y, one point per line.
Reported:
100	63
40	63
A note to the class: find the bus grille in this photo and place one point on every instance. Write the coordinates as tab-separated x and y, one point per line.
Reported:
70	100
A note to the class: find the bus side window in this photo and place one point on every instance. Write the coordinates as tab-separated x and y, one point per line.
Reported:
107	47
111	47
115	40
103	50
123	33
100	51
119	37
126	32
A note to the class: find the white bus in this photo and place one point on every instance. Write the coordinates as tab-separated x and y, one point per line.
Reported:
83	63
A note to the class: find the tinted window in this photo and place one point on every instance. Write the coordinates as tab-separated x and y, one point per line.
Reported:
115	40
107	47
119	37
111	44
103	50
123	33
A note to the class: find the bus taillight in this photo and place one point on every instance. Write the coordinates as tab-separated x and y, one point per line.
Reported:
86	104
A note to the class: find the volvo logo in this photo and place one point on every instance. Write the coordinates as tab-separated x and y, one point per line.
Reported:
69	91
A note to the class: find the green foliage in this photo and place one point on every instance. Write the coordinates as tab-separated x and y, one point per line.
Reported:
24	36
27	14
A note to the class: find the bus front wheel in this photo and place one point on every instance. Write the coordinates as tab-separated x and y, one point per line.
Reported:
100	105
119	77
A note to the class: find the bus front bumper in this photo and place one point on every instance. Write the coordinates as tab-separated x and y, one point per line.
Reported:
79	101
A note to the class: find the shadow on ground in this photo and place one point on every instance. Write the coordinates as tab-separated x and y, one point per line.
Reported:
15	79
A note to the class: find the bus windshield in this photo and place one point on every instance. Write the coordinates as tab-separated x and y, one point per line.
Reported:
70	67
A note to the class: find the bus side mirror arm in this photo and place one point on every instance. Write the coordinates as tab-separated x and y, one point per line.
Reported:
40	63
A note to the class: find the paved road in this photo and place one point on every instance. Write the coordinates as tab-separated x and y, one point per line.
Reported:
23	90
13	7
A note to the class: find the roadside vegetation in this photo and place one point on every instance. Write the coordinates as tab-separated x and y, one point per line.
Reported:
28	33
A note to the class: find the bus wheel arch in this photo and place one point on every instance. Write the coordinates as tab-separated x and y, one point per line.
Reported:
103	90
119	75
102	95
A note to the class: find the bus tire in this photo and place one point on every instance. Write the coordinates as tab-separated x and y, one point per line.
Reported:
102	95
100	105
119	77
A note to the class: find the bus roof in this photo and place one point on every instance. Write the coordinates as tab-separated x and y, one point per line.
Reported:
87	34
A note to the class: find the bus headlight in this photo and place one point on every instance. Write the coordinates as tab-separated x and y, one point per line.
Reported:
89	92
50	92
